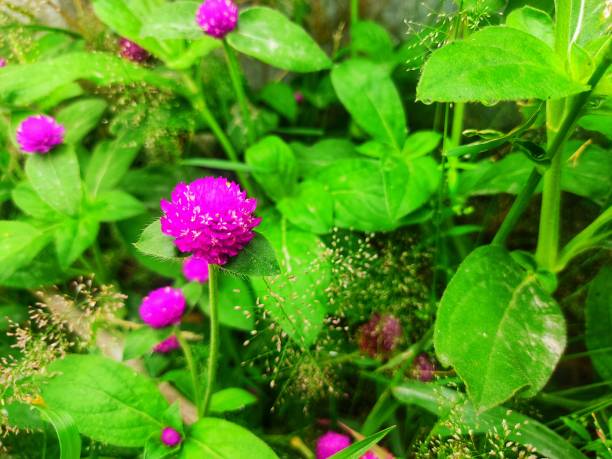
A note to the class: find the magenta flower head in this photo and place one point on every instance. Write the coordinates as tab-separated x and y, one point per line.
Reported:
2	62
168	345
330	443
39	134
162	307
170	437
217	18
380	335
132	52
195	269
298	96
211	218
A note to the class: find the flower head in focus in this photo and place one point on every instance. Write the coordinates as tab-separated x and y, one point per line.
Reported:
39	134
217	18
132	52
168	345
380	335
170	436
162	307
211	217
195	269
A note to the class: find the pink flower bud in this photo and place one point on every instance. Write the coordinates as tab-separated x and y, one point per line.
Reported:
168	345
132	52
162	307
170	437
217	18
195	269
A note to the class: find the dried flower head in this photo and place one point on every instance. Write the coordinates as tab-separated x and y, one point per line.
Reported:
210	217
424	368
170	436
39	134
195	269
168	345
162	307
380	335
217	18
132	51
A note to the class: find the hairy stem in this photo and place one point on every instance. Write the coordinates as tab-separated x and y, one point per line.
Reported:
193	370
213	351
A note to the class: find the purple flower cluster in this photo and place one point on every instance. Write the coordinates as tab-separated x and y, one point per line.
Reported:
168	345
380	335
331	443
162	307
39	134
424	368
195	269
132	51
212	218
217	18
170	437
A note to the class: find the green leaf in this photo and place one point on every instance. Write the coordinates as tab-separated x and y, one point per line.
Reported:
281	98
73	237
268	35
154	243
589	174
599	322
499	329
368	93
115	205
236	303
142	340
231	399
108	401
56	178
29	202
110	161
173	20
358	449
19	243
508	175
274	166
533	21
495	63
420	143
444	402
220	439
80	117
372	40
67	432
312	159
256	259
312	208
42	270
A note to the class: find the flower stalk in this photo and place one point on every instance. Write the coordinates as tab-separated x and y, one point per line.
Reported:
213	351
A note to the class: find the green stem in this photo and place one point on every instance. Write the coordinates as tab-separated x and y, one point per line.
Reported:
193	370
199	103
213	351
354	11
235	75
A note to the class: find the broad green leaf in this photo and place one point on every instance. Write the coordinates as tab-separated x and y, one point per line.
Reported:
26	83
56	178
599	322
499	329
108	401
368	93
195	51
588	174
231	399
312	208
29	202
142	340
597	122
173	20
495	63
444	402
267	35
508	175
220	439
274	166
110	161
73	237
67	432
154	243
115	205
11	313
314	158
420	143
256	259
236	303
19	243
358	449
80	117
294	297
281	98
533	21
43	269
372	40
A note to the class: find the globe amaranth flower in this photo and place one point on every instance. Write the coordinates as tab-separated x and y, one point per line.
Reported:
39	134
424	368
211	217
168	345
170	436
2	62
380	335
217	18
332	442
162	307
132	51
195	269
